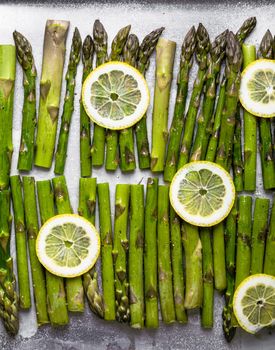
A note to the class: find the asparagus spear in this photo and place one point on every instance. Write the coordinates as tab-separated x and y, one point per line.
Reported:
215	58
202	49
177	266
32	228
260	226
74	288
246	28
108	283
145	51
7	78
250	131
237	153
136	239
120	252
86	208
68	107
26	60
264	124
56	297
243	258
269	260
8	296
85	123
165	54
164	258
126	136
100	45
193	266
219	257
50	89
21	243
186	62
112	156
150	254
230	254
208	279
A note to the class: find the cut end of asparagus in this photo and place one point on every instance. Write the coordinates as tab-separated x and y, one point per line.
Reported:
189	45
203	46
246	28
119	42
266	46
130	50
23	51
233	52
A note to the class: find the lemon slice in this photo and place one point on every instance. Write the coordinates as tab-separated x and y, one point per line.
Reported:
254	303
115	95
257	90
202	193
68	245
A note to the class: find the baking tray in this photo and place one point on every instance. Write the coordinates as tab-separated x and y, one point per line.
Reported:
87	331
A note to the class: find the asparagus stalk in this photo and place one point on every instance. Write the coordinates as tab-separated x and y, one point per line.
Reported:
112	156
186	62
230	254
108	283
100	45
165	54
208	279
237	154
126	136
215	58
150	255
56	297
164	258
86	208
21	243
32	228
233	66
193	266
219	257
85	122
217	116
177	266
145	51
269	259
74	288
26	60
260	227
8	296
243	258
136	241
50	89
7	78
68	107
250	131
264	124
202	49
120	252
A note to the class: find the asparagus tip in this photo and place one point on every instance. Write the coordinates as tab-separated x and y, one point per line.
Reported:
266	45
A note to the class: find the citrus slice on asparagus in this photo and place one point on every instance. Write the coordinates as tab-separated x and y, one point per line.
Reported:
254	303
68	245
115	95
257	90
202	193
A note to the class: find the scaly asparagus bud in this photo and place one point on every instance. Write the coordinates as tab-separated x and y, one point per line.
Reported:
233	53
118	43
203	46
246	28
266	46
130	51
100	42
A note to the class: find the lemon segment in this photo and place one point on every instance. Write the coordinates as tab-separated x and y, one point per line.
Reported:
115	95
68	245
254	303
202	193
257	89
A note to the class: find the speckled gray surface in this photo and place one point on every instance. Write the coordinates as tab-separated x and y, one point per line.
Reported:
86	331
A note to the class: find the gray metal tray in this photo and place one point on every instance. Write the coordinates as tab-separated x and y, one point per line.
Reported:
86	331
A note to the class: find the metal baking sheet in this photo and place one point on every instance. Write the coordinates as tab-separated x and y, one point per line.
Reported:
86	331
